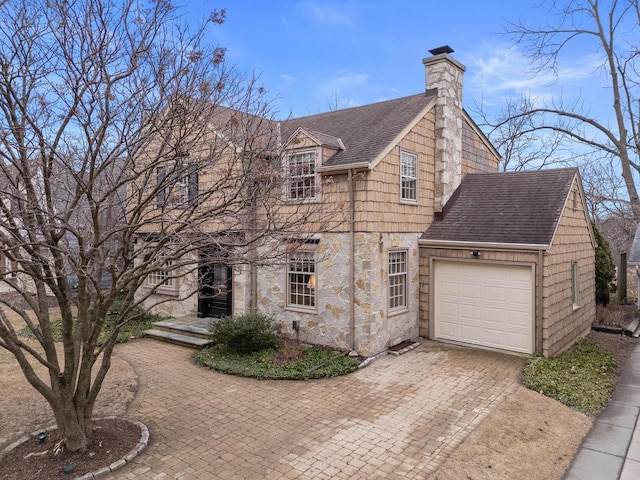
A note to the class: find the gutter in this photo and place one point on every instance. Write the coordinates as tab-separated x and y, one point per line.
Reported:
480	245
341	168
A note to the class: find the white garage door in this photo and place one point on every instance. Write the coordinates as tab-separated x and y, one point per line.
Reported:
484	304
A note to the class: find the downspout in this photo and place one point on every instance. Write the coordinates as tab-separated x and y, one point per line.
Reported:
540	308
352	258
253	285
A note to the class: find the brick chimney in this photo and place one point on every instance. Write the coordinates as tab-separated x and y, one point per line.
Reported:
445	73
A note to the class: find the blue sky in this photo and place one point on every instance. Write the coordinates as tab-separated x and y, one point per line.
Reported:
309	52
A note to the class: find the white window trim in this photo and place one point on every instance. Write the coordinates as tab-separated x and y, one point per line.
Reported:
313	278
575	285
393	310
415	178
317	153
167	278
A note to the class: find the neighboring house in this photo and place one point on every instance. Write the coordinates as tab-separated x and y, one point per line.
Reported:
507	263
633	262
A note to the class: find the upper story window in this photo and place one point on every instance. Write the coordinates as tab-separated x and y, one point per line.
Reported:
408	177
179	184
301	174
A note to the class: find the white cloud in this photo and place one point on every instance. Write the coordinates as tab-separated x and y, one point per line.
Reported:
287	80
326	14
496	72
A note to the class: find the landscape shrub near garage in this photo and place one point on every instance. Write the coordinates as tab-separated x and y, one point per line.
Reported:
581	378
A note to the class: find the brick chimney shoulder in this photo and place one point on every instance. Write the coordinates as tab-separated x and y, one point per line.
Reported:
445	73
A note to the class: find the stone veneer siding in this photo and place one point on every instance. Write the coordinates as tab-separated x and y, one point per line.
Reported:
328	324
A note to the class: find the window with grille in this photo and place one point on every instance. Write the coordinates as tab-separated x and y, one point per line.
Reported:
178	184
301	169
301	282
408	176
397	279
160	278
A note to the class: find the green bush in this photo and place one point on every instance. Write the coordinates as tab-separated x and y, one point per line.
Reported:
245	334
605	269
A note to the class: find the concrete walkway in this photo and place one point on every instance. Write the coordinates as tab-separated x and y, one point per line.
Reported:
611	450
398	418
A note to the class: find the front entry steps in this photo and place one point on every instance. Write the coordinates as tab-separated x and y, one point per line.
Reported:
192	333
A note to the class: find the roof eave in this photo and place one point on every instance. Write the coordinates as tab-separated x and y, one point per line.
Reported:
403	133
482	245
343	168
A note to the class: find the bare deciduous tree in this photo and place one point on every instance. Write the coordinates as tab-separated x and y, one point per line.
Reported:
611	29
129	147
514	134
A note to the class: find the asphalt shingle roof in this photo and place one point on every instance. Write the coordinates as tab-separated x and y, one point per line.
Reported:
512	207
365	131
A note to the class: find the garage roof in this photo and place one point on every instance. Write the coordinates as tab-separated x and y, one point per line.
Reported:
506	208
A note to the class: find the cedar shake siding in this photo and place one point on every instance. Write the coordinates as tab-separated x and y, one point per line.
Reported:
535	219
562	322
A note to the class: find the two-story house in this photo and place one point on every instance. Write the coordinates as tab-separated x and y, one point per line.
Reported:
431	241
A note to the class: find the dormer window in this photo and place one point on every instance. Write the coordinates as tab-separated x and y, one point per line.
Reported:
301	174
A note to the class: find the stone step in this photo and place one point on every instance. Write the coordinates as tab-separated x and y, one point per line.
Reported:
178	338
194	330
632	327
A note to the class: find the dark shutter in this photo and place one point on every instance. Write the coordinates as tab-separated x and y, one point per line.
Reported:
192	182
162	191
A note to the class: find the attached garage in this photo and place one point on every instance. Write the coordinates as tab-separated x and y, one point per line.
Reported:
486	304
509	264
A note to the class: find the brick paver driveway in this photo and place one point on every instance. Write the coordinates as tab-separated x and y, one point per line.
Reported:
397	418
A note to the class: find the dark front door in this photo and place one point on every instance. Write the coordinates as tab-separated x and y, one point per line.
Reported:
214	295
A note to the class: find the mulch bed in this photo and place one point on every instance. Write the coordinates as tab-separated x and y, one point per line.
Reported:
113	439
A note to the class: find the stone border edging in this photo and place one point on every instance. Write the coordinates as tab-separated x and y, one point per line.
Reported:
141	445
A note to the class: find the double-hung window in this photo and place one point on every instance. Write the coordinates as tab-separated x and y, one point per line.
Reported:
397	279
161	278
177	184
301	174
408	177
301	280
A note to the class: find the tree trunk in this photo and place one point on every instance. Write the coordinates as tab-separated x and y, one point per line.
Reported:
72	425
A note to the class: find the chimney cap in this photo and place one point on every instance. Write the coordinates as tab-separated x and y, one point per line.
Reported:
440	50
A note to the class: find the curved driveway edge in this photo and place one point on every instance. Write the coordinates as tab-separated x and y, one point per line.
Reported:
398	418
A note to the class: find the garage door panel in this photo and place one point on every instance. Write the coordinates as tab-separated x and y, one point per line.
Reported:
493	293
470	333
449	287
485	304
520	296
